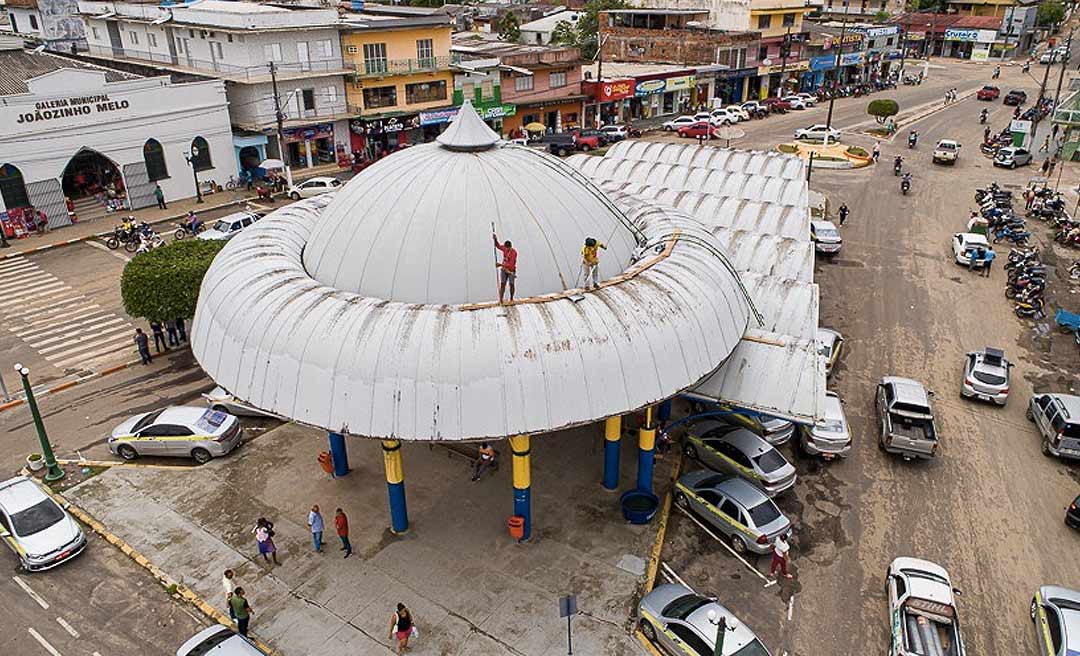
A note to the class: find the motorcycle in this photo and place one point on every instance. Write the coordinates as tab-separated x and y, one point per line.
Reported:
149	242
898	166
912	139
982	117
905	184
118	237
183	230
1017	237
1030	308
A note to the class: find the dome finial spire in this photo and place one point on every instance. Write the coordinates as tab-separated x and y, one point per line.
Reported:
468	131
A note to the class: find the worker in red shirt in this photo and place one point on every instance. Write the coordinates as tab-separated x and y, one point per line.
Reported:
341	523
508	267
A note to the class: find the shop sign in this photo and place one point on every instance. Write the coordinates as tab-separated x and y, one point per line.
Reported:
646	87
736	74
980	52
894	54
321	131
499	111
791	67
391	125
486	113
849	38
679	83
615	90
875	32
50	110
823	63
438	116
959	34
852	58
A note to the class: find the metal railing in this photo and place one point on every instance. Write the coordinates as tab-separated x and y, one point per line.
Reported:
388	67
249	73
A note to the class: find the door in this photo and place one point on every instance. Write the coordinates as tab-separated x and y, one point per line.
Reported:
149	442
47	196
117	44
303	55
171	38
140	189
175	444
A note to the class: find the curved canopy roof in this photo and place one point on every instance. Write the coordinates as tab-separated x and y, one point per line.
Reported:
416	227
752	162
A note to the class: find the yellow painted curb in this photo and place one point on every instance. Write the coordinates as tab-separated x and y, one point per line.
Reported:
120	463
10	404
661	531
182	591
649	647
63	386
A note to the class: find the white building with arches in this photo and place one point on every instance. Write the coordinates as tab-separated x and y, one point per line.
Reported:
72	131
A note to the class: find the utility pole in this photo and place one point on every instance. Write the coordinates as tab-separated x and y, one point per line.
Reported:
1038	103
279	116
599	72
1008	32
1061	77
832	95
785	49
903	52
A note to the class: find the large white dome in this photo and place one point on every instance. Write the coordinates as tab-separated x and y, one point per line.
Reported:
416	227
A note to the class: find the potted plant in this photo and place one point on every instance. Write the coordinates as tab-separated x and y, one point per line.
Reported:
35	461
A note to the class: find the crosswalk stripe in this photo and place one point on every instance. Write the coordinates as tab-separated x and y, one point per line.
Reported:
43	348
51	300
49	314
13	278
125	344
77	352
68	324
38	291
29	281
16	265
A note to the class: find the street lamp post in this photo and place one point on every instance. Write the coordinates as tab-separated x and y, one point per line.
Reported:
721	629
53	473
192	158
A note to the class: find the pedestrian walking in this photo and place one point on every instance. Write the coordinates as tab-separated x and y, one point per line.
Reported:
780	556
228	583
241	610
159	336
1045	168
508	267
1029	198
341	525
876	152
1046	145
946	98
1053	163
590	261
180	329
1054	131
842	213
402	628
170	330
485	459
988	259
264	536
159	196
315	522
142	342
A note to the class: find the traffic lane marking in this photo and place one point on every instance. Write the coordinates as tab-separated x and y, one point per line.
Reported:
117	254
33	595
67	627
44	643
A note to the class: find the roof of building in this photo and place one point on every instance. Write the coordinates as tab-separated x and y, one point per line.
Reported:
619	70
980	22
270	329
551	21
369	20
659	11
19	66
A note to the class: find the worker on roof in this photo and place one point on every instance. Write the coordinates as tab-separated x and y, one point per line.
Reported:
508	267
590	261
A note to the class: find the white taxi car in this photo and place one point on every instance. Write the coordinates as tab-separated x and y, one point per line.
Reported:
35	527
178	431
314	187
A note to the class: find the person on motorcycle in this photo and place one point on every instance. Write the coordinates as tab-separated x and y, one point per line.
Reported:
997	72
129	225
913	138
982	116
898	164
193	223
905	182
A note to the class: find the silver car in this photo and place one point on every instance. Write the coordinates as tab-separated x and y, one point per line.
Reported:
1057	416
826	237
1056	614
831	437
179	431
35	527
229	226
220	399
1012	157
725	448
733	506
678	620
986	376
830	344
218	640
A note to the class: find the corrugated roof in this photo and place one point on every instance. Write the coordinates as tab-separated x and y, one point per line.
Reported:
753	162
18	66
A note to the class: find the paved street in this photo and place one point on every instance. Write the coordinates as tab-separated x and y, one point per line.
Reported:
988	508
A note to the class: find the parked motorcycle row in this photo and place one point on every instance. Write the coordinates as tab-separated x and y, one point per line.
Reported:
827	92
1026	274
134	238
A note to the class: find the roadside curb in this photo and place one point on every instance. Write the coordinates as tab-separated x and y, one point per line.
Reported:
118	463
166	581
661	530
68	384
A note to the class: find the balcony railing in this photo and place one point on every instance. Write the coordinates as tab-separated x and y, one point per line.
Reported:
389	67
257	73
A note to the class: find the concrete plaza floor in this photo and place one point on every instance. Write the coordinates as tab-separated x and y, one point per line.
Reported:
472	590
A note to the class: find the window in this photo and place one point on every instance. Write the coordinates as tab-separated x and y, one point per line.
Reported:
331	96
200	154
468	91
133	37
308	96
889	41
1054	625
789	20
352	50
191	34
425	53
375	58
152	38
154	156
763	53
215	49
93	30
12	187
557	79
732	511
692	640
324	49
764	21
487	90
523	83
179	45
422	92
272	52
375	97
229	37
33	22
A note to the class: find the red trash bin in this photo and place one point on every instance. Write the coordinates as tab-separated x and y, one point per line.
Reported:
516	524
326	462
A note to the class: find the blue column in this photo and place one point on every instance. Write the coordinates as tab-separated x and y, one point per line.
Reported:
665	411
646	452
395	486
612	434
339	454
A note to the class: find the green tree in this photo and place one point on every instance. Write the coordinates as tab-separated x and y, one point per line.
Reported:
509	27
882	16
882	109
589	24
564	34
1050	13
164	283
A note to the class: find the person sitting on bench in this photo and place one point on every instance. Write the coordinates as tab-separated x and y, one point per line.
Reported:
485	459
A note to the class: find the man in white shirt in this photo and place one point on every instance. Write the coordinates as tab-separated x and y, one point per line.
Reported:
780	556
228	582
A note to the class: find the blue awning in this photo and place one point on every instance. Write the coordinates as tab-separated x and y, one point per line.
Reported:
244	140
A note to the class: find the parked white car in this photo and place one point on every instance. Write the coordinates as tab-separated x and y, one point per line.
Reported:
721	116
229	226
218	640
965	242
795	101
313	187
178	431
737	110
818	131
808	99
615	132
36	528
826	237
676	123
831	437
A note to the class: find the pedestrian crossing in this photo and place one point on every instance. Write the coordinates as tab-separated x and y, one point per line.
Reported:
66	328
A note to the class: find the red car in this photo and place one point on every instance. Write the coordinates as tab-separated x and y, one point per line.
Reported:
776	105
588	139
699	129
988	93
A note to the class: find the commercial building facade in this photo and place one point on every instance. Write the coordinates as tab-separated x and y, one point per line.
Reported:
54	23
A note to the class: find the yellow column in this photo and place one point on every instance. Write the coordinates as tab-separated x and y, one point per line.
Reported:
395	485
522	477
646	446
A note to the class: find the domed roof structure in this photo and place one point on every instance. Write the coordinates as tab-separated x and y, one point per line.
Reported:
416	227
373	311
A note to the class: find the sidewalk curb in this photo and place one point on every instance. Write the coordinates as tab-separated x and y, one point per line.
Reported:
68	384
166	581
661	531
